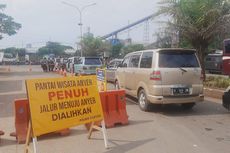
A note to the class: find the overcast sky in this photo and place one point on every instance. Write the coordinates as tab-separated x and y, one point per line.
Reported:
51	20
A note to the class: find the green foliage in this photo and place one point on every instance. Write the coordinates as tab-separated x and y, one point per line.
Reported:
93	46
15	52
163	39
116	50
217	82
198	22
53	48
131	48
7	24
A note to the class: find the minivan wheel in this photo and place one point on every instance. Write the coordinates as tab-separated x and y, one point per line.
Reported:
187	106
117	87
143	101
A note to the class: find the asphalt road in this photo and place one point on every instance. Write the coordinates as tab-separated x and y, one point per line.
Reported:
167	129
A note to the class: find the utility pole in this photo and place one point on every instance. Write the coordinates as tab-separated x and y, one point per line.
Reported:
80	10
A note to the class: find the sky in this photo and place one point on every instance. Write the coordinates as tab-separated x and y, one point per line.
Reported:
51	20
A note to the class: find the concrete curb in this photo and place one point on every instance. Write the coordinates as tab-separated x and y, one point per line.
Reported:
213	93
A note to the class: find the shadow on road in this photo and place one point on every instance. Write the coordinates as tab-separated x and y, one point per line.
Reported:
126	147
203	108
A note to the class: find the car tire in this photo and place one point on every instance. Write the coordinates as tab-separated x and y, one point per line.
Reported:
187	106
116	84
143	102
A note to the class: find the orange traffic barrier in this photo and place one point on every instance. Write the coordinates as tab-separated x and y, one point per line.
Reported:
64	73
1	133
8	69
63	132
30	68
22	117
114	108
61	72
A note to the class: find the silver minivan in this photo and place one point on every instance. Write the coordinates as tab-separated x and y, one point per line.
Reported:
162	76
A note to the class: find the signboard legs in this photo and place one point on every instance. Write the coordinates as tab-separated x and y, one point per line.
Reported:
102	129
35	144
27	144
104	134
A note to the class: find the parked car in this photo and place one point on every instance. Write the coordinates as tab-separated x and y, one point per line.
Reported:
226	99
111	68
162	76
87	65
214	62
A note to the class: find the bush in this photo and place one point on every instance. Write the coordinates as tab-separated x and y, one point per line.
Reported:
217	82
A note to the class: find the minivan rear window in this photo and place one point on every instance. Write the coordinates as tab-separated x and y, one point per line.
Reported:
92	61
174	59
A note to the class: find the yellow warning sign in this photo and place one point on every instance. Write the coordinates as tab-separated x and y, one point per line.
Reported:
60	103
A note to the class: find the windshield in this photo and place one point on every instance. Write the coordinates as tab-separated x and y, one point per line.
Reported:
92	61
174	59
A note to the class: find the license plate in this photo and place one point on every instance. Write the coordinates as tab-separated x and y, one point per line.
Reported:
180	91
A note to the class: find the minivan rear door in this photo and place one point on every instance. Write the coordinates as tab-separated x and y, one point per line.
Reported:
180	72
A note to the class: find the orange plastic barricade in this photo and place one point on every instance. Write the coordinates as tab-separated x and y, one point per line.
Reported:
21	119
114	108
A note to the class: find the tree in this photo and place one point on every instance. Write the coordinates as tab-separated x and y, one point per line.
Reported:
20	52
199	22
7	24
163	39
131	48
93	46
53	48
116	50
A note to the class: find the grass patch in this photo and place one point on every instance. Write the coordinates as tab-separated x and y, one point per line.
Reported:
217	82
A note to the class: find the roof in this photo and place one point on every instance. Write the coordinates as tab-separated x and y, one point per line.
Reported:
163	49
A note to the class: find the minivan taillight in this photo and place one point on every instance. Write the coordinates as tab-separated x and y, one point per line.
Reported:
155	75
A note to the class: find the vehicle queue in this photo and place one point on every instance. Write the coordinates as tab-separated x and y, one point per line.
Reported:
182	89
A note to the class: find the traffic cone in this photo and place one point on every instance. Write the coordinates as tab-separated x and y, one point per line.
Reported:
1	132
60	72
64	73
30	68
8	69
